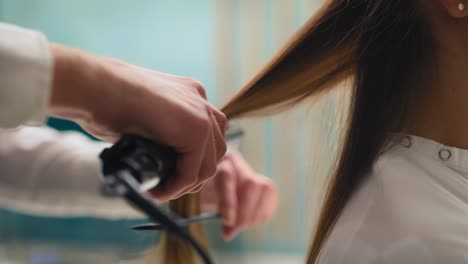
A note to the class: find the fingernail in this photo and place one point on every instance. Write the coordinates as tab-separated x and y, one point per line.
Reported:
231	235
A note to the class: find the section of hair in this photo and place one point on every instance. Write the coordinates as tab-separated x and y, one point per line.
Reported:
381	47
174	251
317	58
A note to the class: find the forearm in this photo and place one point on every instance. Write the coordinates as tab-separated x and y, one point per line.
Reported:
91	91
76	87
107	98
53	173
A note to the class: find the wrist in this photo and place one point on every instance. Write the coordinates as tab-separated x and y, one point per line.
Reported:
74	85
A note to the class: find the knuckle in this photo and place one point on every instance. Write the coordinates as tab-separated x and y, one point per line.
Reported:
222	150
266	186
199	87
272	188
265	183
222	120
249	186
201	123
270	192
245	183
202	92
197	84
227	203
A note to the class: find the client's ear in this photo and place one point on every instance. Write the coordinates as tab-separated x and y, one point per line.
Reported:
456	8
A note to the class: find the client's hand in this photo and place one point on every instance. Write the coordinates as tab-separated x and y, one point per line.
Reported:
109	97
243	197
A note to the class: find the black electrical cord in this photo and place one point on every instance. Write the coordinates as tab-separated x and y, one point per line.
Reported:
126	183
131	167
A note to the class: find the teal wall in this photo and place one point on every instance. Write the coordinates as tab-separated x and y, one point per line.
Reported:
170	36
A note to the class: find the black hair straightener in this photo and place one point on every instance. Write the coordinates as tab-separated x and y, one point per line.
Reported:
134	165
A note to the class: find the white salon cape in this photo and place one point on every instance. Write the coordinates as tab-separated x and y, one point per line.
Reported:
43	171
413	209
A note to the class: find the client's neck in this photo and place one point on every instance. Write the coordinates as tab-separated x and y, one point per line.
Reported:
440	111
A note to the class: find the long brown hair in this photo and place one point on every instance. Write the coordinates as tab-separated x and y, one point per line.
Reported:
174	251
381	46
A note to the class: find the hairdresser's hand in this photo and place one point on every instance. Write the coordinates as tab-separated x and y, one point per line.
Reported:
108	97
243	197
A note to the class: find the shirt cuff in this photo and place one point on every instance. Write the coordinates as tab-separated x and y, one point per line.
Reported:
25	76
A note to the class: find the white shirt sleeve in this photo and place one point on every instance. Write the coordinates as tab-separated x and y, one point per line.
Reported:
46	172
25	76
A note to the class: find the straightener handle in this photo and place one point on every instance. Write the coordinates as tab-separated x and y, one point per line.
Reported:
150	163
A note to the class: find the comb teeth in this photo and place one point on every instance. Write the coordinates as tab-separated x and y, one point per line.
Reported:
147	227
203	217
233	137
233	143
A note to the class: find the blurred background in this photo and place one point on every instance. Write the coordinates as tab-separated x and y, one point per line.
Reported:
223	43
